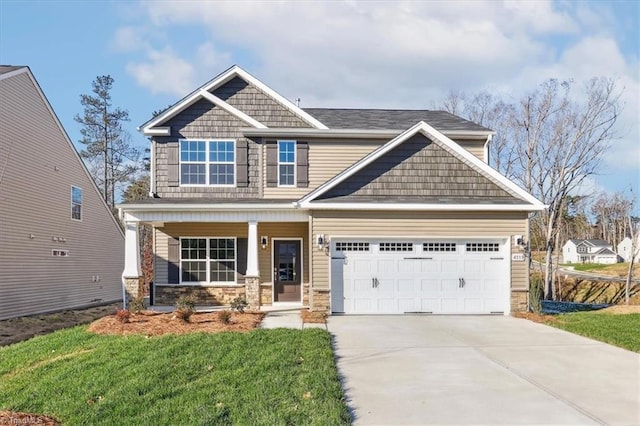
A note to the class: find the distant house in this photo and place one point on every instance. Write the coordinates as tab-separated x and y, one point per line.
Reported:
61	246
588	251
624	249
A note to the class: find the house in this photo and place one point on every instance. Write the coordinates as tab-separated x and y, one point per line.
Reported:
588	251
624	249
61	246
354	211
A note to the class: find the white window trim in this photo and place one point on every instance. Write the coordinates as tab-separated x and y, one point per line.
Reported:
295	161
208	282
207	163
81	203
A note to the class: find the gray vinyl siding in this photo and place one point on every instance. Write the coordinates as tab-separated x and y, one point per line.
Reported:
35	200
373	224
419	170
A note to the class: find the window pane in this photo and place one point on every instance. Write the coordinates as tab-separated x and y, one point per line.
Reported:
76	195
286	151
76	212
286	174
193	248
221	174
192	151
192	174
193	271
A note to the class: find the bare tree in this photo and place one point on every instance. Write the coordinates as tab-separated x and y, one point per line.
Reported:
109	154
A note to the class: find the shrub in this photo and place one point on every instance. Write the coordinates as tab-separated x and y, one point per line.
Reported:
239	304
123	315
185	307
536	293
224	316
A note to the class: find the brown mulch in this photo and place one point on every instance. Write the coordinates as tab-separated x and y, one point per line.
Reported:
620	310
13	418
157	324
311	317
15	330
531	316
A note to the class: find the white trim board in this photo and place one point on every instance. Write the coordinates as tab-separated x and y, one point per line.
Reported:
221	79
444	142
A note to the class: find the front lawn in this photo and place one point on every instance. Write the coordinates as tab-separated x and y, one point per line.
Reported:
617	330
261	377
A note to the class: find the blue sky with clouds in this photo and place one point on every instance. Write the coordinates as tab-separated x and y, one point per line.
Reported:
339	53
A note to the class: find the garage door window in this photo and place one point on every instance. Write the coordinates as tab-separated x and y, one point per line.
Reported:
352	246
483	247
396	246
439	247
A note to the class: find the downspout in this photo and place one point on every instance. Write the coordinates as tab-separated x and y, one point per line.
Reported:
486	148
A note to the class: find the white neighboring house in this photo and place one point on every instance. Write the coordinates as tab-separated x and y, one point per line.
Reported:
624	249
588	251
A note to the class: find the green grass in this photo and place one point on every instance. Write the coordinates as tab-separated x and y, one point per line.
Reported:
262	377
617	330
589	266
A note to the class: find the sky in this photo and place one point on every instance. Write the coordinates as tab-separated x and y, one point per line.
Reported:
402	54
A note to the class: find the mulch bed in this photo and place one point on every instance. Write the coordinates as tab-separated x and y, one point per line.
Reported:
531	316
13	418
156	324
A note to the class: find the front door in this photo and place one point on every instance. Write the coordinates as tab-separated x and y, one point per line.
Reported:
287	271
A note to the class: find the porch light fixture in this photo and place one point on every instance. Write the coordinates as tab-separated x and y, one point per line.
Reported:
320	241
263	242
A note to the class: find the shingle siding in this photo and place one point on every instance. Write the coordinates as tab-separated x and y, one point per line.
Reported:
419	171
203	120
256	104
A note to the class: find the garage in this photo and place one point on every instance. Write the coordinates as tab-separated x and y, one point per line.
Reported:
436	276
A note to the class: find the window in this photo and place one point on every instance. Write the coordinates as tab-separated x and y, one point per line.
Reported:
207	162
439	247
582	249
59	253
352	246
396	246
286	163
76	203
208	260
483	247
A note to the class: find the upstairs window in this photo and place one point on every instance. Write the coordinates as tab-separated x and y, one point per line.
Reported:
76	203
207	162
286	163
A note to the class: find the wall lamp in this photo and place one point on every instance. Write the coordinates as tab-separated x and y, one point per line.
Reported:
263	241
321	241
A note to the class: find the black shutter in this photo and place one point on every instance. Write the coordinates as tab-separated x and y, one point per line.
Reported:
173	261
241	250
272	163
302	166
242	164
173	164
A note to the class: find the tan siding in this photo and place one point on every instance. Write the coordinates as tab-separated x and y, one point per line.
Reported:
415	224
475	146
239	230
40	168
327	158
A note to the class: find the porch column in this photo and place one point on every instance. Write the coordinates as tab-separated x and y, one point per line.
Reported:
132	270
252	276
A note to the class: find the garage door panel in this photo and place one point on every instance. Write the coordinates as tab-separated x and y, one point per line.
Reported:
448	277
429	266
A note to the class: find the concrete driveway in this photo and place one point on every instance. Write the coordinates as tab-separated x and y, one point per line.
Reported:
481	370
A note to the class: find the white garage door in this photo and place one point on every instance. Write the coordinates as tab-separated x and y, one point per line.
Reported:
430	276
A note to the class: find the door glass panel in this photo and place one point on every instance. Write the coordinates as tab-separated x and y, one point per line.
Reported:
287	262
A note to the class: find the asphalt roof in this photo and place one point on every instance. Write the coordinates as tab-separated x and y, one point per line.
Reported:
392	119
8	68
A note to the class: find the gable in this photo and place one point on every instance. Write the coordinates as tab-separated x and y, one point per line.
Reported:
256	104
246	91
419	170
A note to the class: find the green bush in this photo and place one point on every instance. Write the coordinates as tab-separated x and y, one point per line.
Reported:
536	293
239	304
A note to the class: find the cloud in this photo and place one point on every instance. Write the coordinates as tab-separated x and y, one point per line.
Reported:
401	54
